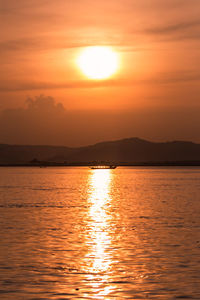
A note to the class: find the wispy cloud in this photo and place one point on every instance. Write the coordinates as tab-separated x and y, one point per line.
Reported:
160	79
16	6
179	30
57	42
168	29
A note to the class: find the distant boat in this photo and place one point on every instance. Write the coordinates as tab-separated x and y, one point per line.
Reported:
102	167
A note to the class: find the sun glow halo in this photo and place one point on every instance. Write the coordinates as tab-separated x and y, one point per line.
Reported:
98	62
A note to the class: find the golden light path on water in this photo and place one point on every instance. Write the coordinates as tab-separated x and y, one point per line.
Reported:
76	233
100	238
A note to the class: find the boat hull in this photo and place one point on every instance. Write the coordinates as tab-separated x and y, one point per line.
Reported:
102	167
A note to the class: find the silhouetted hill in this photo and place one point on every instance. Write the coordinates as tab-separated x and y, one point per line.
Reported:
135	150
132	150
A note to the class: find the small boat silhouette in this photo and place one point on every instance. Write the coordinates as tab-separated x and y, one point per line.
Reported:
103	167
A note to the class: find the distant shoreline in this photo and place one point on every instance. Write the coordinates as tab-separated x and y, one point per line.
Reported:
126	152
138	164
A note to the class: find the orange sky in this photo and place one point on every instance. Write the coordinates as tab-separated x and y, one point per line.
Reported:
158	43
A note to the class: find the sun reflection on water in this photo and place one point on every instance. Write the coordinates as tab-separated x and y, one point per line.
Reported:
99	235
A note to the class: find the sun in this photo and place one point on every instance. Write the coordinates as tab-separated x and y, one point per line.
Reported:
98	62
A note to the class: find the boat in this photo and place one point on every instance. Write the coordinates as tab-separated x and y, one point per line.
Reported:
102	167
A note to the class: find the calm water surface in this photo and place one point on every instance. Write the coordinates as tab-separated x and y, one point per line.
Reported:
76	233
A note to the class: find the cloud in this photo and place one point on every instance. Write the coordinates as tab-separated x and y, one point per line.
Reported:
160	79
182	30
174	27
39	107
45	122
40	44
66	24
174	31
13	6
45	43
18	44
44	104
16	86
41	119
179	30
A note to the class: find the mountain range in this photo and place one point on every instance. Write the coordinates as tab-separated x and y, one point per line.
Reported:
121	152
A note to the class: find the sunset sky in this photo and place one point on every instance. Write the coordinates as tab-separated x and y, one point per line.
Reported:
154	93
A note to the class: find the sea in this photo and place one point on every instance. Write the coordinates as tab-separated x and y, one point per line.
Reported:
77	233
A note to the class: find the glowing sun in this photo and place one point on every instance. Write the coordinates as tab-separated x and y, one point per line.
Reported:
98	62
